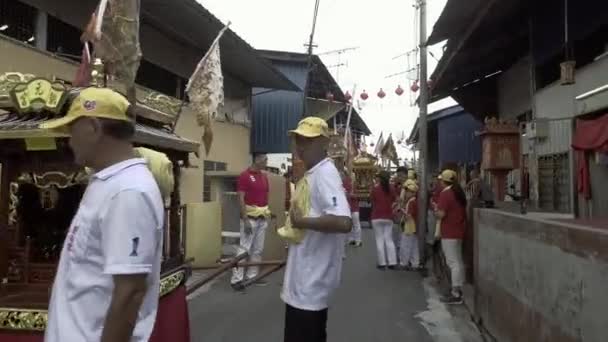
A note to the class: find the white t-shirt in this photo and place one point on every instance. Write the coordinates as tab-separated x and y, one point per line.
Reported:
315	264
117	230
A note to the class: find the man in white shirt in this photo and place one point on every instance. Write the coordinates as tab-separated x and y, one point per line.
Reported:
107	282
314	265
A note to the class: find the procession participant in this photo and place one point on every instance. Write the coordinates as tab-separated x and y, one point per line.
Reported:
252	188
107	283
401	175
383	197
314	265
451	210
410	255
354	238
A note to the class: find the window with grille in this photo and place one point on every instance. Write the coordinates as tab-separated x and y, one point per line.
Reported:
554	182
209	165
18	21
156	78
63	39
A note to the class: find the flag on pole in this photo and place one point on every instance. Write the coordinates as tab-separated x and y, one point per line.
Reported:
379	145
83	74
114	31
206	89
389	151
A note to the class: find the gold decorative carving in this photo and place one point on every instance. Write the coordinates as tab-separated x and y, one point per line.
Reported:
36	320
365	169
37	95
163	103
7	82
47	182
171	282
13	204
23	319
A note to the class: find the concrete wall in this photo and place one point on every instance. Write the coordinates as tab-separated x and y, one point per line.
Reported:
540	280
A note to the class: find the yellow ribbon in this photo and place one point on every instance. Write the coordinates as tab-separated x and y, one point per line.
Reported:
410	225
301	201
255	211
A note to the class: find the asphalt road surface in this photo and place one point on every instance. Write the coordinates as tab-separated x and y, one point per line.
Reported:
371	305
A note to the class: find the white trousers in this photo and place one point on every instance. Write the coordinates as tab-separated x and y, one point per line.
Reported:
383	229
409	251
254	245
355	234
452	250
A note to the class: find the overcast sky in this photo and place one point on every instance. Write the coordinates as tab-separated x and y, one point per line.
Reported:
381	30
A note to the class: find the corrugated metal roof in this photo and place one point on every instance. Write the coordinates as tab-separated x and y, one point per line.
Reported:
276	112
191	23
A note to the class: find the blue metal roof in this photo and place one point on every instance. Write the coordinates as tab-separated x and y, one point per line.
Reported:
276	112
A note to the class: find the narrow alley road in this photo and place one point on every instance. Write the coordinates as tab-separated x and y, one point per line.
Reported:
371	305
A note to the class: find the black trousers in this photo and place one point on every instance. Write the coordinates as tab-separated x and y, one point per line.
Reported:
305	326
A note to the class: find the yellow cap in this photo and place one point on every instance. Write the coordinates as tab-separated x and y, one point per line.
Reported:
311	127
93	102
448	176
410	185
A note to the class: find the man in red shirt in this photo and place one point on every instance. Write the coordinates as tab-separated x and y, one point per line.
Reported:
252	188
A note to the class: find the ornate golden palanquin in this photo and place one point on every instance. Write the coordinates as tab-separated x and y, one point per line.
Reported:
40	189
364	168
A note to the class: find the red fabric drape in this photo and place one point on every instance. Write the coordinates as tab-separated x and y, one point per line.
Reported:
172	322
590	135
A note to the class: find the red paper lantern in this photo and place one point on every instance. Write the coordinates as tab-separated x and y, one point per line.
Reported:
381	93
364	96
329	96
399	90
347	96
414	88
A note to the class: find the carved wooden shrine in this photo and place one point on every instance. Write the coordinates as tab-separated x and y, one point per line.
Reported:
500	151
41	187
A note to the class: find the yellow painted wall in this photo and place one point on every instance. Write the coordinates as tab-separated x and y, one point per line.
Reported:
203	233
230	145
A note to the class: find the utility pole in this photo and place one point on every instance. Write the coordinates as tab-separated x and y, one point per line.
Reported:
309	62
422	127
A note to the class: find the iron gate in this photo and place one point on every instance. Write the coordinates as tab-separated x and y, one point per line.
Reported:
554	182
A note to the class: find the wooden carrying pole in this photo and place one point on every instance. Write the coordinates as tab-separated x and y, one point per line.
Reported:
263	274
219	272
242	264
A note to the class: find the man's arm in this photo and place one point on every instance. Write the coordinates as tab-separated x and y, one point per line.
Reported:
325	223
127	297
130	238
331	197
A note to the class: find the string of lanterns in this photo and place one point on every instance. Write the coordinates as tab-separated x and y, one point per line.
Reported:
381	93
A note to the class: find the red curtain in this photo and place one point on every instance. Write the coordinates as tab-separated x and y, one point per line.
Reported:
590	136
172	322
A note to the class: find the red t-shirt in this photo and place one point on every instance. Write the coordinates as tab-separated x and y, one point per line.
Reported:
347	183
382	203
453	224
255	186
436	193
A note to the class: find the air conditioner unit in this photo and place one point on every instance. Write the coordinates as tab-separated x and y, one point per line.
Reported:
537	129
